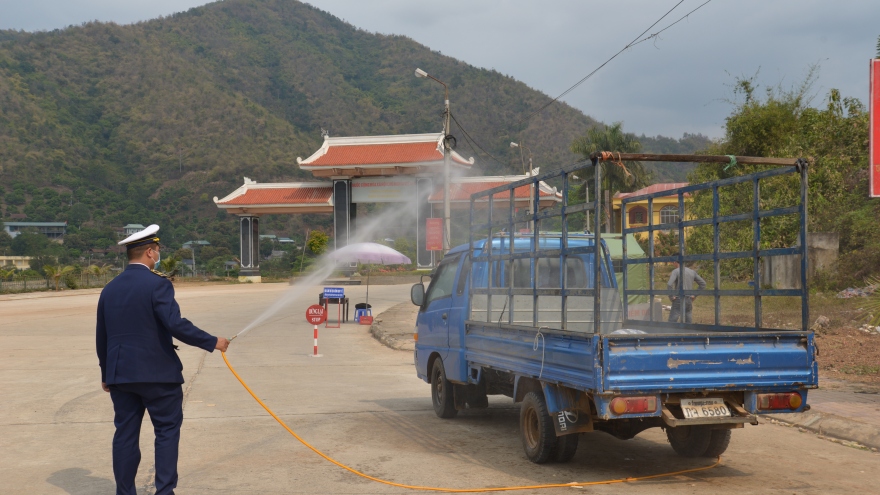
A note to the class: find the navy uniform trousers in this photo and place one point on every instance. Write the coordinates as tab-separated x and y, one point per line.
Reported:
164	401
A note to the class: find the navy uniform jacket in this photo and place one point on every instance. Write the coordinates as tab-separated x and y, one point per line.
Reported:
137	316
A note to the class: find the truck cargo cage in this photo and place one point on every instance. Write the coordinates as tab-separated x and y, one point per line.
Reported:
499	253
793	166
563	305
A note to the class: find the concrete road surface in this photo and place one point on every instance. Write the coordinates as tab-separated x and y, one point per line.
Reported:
360	403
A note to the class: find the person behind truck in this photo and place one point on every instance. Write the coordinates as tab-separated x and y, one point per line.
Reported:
687	279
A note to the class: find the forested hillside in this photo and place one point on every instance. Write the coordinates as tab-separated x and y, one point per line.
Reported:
103	125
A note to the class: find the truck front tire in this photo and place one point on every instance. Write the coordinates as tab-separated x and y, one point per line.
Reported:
536	428
698	441
441	392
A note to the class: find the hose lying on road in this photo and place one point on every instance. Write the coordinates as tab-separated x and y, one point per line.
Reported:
454	490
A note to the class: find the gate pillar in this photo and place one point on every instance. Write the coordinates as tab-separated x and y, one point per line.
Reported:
342	212
249	236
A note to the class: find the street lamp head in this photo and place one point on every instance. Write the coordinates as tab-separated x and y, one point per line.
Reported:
421	73
513	145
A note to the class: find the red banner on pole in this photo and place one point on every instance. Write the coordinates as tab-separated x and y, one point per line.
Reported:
434	234
874	104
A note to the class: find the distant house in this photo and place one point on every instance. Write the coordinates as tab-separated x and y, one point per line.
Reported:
665	208
286	240
17	262
52	230
191	244
132	228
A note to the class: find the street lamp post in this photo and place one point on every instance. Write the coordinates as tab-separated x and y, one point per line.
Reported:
447	224
530	174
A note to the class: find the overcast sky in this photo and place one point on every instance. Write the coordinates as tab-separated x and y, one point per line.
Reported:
670	85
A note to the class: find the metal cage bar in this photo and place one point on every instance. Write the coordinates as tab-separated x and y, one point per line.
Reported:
756	253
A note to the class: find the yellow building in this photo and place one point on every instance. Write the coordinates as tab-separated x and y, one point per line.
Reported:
665	207
17	262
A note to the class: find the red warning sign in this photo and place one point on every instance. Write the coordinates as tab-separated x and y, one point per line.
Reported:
434	234
315	314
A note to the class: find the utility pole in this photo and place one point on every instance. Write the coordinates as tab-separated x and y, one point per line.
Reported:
447	151
530	174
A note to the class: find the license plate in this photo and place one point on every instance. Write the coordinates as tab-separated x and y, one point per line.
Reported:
704	408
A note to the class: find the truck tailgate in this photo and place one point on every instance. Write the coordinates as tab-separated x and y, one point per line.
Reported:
731	361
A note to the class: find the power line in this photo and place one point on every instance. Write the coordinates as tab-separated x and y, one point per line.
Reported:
638	39
654	35
472	141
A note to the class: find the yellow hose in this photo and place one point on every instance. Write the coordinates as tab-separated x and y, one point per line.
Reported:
454	490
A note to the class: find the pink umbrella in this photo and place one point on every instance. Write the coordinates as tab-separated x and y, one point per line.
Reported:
371	253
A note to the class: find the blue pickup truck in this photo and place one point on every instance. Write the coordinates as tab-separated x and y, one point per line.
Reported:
515	314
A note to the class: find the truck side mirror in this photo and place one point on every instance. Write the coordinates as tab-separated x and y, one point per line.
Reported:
417	294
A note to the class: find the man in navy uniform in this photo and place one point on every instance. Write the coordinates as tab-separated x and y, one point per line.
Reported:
137	317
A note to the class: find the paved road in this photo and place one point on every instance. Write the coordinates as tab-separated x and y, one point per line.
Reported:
360	403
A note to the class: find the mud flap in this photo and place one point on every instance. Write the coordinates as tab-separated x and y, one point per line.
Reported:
570	409
567	422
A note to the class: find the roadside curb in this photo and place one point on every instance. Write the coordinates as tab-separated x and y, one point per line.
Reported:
394	327
49	293
832	426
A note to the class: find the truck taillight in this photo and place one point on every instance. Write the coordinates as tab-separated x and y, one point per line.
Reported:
787	400
632	405
416	333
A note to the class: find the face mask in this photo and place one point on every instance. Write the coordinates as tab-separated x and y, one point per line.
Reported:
158	259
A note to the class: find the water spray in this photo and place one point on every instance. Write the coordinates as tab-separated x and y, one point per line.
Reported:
393	216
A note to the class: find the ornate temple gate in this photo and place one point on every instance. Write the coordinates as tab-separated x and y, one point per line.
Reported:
405	169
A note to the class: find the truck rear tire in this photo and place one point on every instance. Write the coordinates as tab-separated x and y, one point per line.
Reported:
566	447
536	428
441	392
689	441
718	443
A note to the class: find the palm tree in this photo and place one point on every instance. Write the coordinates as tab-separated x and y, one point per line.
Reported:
56	272
6	273
97	271
627	178
623	176
170	265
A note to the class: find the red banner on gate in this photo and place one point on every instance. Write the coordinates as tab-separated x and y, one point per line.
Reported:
874	104
434	234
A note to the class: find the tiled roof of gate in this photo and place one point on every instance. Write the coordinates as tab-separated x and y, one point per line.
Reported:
295	194
397	150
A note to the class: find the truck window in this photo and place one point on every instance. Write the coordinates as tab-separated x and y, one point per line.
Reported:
548	273
463	277
441	282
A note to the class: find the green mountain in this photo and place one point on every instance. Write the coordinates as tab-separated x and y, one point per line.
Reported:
104	125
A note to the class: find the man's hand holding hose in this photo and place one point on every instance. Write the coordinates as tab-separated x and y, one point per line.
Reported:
222	344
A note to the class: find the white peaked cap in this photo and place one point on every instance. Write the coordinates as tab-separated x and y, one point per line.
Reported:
148	234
